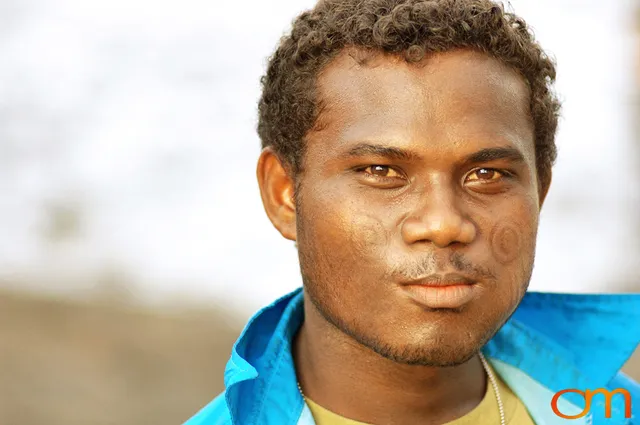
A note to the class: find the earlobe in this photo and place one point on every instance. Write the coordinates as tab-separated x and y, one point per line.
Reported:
277	192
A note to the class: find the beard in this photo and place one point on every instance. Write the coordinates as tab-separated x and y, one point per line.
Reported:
439	350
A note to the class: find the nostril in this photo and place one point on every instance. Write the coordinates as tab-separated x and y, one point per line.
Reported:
441	229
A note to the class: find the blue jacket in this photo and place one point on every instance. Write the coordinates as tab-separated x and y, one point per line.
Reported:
552	342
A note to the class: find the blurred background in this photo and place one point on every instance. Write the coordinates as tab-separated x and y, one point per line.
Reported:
133	242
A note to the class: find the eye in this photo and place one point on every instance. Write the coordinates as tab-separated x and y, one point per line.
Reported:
484	175
381	171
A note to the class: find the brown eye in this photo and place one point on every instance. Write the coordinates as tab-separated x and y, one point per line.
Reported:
381	171
484	175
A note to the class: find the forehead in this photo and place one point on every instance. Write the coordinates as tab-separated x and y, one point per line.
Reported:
446	98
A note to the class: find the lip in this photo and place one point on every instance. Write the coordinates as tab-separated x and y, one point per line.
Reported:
436	280
442	291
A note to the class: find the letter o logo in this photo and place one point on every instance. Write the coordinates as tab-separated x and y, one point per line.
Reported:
556	397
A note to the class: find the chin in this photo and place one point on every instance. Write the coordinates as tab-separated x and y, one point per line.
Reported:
434	351
440	356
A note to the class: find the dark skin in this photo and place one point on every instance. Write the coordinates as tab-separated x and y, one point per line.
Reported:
417	170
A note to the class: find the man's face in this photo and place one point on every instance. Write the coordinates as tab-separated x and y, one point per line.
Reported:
420	175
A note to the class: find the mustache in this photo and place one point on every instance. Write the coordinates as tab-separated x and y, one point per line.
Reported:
432	264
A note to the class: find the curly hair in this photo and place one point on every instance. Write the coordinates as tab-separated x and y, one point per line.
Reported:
412	29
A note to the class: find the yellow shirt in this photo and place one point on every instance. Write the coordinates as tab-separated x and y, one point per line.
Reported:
485	413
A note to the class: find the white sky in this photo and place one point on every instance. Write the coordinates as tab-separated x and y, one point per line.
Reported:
143	114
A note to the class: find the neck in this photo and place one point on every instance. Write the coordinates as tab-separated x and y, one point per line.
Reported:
353	381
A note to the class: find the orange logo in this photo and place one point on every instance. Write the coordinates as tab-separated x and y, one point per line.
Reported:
588	395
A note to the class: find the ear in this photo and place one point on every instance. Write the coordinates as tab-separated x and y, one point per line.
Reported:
545	190
277	192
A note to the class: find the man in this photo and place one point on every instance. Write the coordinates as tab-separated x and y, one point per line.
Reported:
407	150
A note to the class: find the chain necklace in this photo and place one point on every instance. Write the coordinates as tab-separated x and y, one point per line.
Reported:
494	384
492	380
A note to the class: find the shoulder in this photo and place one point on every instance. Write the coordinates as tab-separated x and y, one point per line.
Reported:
214	413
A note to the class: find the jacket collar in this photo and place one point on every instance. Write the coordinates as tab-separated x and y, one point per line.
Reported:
570	340
261	371
559	340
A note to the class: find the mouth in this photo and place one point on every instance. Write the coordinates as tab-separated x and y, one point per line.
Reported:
437	291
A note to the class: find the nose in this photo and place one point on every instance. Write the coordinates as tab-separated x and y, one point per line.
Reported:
438	220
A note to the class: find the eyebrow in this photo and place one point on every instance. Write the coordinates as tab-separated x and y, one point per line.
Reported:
483	155
364	149
494	154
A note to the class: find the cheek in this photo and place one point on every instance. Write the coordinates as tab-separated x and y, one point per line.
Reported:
512	232
511	243
342	242
345	227
506	241
366	233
